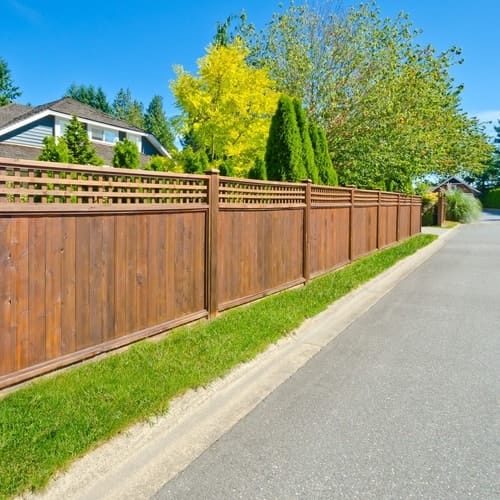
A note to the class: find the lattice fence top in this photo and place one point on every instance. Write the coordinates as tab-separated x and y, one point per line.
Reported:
328	195
32	182
237	192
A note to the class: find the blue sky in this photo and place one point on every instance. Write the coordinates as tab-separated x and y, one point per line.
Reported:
48	44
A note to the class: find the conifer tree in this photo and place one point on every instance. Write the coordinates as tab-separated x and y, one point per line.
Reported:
126	154
80	150
156	123
284	149
326	173
307	149
54	150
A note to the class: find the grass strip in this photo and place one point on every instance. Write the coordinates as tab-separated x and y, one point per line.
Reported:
48	424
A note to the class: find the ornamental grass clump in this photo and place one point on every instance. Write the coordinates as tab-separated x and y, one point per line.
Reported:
462	207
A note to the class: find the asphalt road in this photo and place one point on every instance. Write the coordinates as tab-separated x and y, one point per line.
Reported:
405	403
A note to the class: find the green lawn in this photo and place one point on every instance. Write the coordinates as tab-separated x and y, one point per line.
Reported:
46	425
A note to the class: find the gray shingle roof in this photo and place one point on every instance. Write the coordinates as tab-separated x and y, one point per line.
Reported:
66	105
11	112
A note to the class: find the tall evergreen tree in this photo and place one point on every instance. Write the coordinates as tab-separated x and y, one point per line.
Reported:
307	149
8	91
127	109
88	94
326	172
156	123
284	148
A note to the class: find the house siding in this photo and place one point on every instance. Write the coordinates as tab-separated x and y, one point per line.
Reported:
31	134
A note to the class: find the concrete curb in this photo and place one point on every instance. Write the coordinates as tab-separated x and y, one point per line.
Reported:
138	462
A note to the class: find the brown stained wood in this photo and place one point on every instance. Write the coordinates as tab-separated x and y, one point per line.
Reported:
53	287
37	291
83	283
7	298
97	265
199	267
21	261
115	274
170	285
143	288
120	282
156	267
107	297
68	304
130	264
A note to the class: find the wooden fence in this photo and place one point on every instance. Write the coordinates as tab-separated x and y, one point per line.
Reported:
92	259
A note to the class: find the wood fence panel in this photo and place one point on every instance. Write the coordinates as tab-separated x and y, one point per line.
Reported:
68	270
21	264
364	228
404	222
329	238
387	225
259	251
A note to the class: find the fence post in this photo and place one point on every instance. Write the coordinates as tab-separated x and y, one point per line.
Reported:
378	218
211	239
398	215
410	197
441	209
351	232
307	223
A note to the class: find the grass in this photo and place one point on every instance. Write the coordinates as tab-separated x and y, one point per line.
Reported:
48	424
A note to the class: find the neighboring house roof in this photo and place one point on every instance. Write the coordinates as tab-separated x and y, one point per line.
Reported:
13	116
456	181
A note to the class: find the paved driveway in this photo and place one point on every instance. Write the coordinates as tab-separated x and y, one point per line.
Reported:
403	404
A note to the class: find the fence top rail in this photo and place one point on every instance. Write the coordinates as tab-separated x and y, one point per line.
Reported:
12	163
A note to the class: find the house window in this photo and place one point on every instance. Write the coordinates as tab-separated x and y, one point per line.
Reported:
136	139
103	135
60	127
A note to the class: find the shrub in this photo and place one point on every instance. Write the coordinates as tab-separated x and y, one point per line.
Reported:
126	155
258	170
462	207
429	202
491	199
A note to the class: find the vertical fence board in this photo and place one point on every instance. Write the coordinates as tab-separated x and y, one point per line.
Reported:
68	305
120	269
142	272
130	265
97	286
83	272
7	299
53	292
37	290
21	260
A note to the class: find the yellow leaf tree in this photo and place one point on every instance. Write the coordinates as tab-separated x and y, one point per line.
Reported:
227	108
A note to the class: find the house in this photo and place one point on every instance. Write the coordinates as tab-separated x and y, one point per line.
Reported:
455	182
23	128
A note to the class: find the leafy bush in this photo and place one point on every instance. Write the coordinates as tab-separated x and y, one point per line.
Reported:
125	155
491	199
429	202
462	207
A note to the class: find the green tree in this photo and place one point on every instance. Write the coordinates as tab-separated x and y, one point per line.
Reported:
307	149
156	123
284	157
258	170
8	91
389	106
127	109
227	108
125	154
193	162
80	150
88	94
160	164
326	173
54	150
